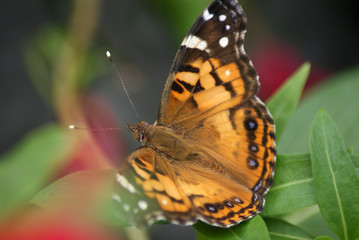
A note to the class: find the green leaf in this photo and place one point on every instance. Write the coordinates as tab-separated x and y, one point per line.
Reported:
355	160
173	11
310	220
335	179
254	228
281	230
339	96
73	191
285	100
29	165
292	185
200	236
323	238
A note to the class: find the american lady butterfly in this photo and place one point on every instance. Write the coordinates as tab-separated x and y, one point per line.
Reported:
210	155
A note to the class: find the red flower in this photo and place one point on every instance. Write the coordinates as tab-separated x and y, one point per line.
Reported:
275	61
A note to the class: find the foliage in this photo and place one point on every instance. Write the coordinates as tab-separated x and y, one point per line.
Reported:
326	176
315	190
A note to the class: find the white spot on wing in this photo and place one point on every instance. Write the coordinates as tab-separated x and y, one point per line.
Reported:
223	42
228	27
228	72
202	45
238	200
164	201
126	207
184	42
142	204
196	42
242	49
116	197
124	183
222	18
207	15
174	221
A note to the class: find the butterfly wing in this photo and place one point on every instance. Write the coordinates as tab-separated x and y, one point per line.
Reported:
209	101
146	191
150	189
220	201
242	142
209	98
227	181
211	68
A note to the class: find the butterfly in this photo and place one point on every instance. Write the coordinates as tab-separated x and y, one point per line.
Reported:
210	156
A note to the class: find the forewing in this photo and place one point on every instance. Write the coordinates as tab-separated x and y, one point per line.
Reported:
211	67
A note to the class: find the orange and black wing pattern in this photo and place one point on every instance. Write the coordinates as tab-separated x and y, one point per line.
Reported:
209	108
211	68
145	191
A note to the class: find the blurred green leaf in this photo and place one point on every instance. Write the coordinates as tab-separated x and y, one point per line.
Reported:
281	230
42	58
292	185
200	236
310	220
335	179
339	96
29	165
71	185
285	100
173	11
323	238
355	160
254	228
90	186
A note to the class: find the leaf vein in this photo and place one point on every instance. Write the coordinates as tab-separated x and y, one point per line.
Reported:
291	184
335	184
288	236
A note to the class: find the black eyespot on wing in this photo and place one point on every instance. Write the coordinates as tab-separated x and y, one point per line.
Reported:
252	163
210	208
237	200
250	124
253	147
228	204
257	186
254	198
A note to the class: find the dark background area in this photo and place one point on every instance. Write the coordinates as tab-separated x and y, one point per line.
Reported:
140	33
143	37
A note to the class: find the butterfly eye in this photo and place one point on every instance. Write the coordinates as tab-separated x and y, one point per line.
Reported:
142	136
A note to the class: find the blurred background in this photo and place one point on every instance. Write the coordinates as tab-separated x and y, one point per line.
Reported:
54	72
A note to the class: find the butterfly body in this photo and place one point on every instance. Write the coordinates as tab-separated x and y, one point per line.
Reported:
162	140
210	155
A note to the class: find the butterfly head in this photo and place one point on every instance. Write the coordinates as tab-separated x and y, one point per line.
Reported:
139	131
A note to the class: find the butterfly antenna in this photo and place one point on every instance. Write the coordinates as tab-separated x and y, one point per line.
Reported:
109	57
73	127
